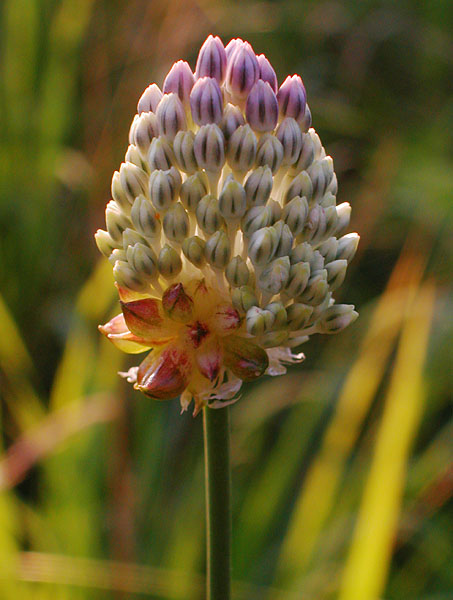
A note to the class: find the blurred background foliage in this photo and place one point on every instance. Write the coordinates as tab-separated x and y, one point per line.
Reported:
343	470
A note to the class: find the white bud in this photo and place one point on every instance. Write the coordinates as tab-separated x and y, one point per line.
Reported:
274	277
256	218
145	130
329	249
241	150
262	246
344	216
169	262
104	242
285	239
209	148
118	193
193	189
258	186
218	250
160	155
208	214
143	260
171	116
116	221
336	317
299	275
163	189
258	320
184	153
300	185
306	156
336	272
347	246
144	218
232	200
149	99
290	136
133	181
316	290
176	223
295	214
270	152
126	276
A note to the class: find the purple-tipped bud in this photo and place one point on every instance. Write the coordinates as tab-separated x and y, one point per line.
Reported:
305	123
211	60
171	116
149	99
232	46
292	98
261	108
206	102
209	148
232	119
290	136
179	81
267	72
242	71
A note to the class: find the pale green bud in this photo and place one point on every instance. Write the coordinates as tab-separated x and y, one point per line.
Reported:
336	317
317	262
184	152
295	214
104	242
300	185
133	181
241	149
344	216
299	275
331	221
243	298
298	315
118	254
133	156
126	276
306	155
145	130
347	246
169	262
316	290
209	147
305	123
160	155
280	315
131	237
208	214
332	188
118	193
318	149
269	152
237	272
290	136
232	200
301	253
327	200
256	218
276	210
262	246
274	277
285	239
321	173
163	189
329	249
171	115
176	223
336	272
144	217
274	338
143	260
258	320
193	189
315	225
116	221
258	186
194	250
218	250
132	129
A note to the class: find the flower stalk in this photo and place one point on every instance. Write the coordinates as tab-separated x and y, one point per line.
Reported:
216	426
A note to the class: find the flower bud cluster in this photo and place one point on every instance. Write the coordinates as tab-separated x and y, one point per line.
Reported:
226	187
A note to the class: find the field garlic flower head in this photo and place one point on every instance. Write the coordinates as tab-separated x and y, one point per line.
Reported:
223	229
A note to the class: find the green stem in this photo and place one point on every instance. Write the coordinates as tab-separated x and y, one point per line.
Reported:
216	427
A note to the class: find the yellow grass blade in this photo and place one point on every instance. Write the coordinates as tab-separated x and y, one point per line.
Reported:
370	554
317	496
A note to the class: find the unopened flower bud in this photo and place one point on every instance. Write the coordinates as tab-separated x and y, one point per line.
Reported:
285	239
160	155
184	153
262	246
267	72
305	123
331	221
280	315
244	358
232	200
329	249
143	260
237	272
344	216
176	223
116	221
144	218
104	242
243	298
177	304
274	277
299	275
290	136
194	250
232	119
301	253
327	200
336	317
256	218
316	290
149	99
274	338
315	225
218	250
232	46
179	81
133	156
171	116
241	149
212	60
258	320
127	277
347	246
132	129
242	71
133	181
118	193
261	108
162	189
206	101
258	186
300	185
336	272
117	254
131	237
193	189
208	214
270	152
306	156
295	214
320	174
169	262
145	130
318	150
333	185
298	315
209	148
292	98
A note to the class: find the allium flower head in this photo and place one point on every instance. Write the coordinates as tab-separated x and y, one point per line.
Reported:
223	229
